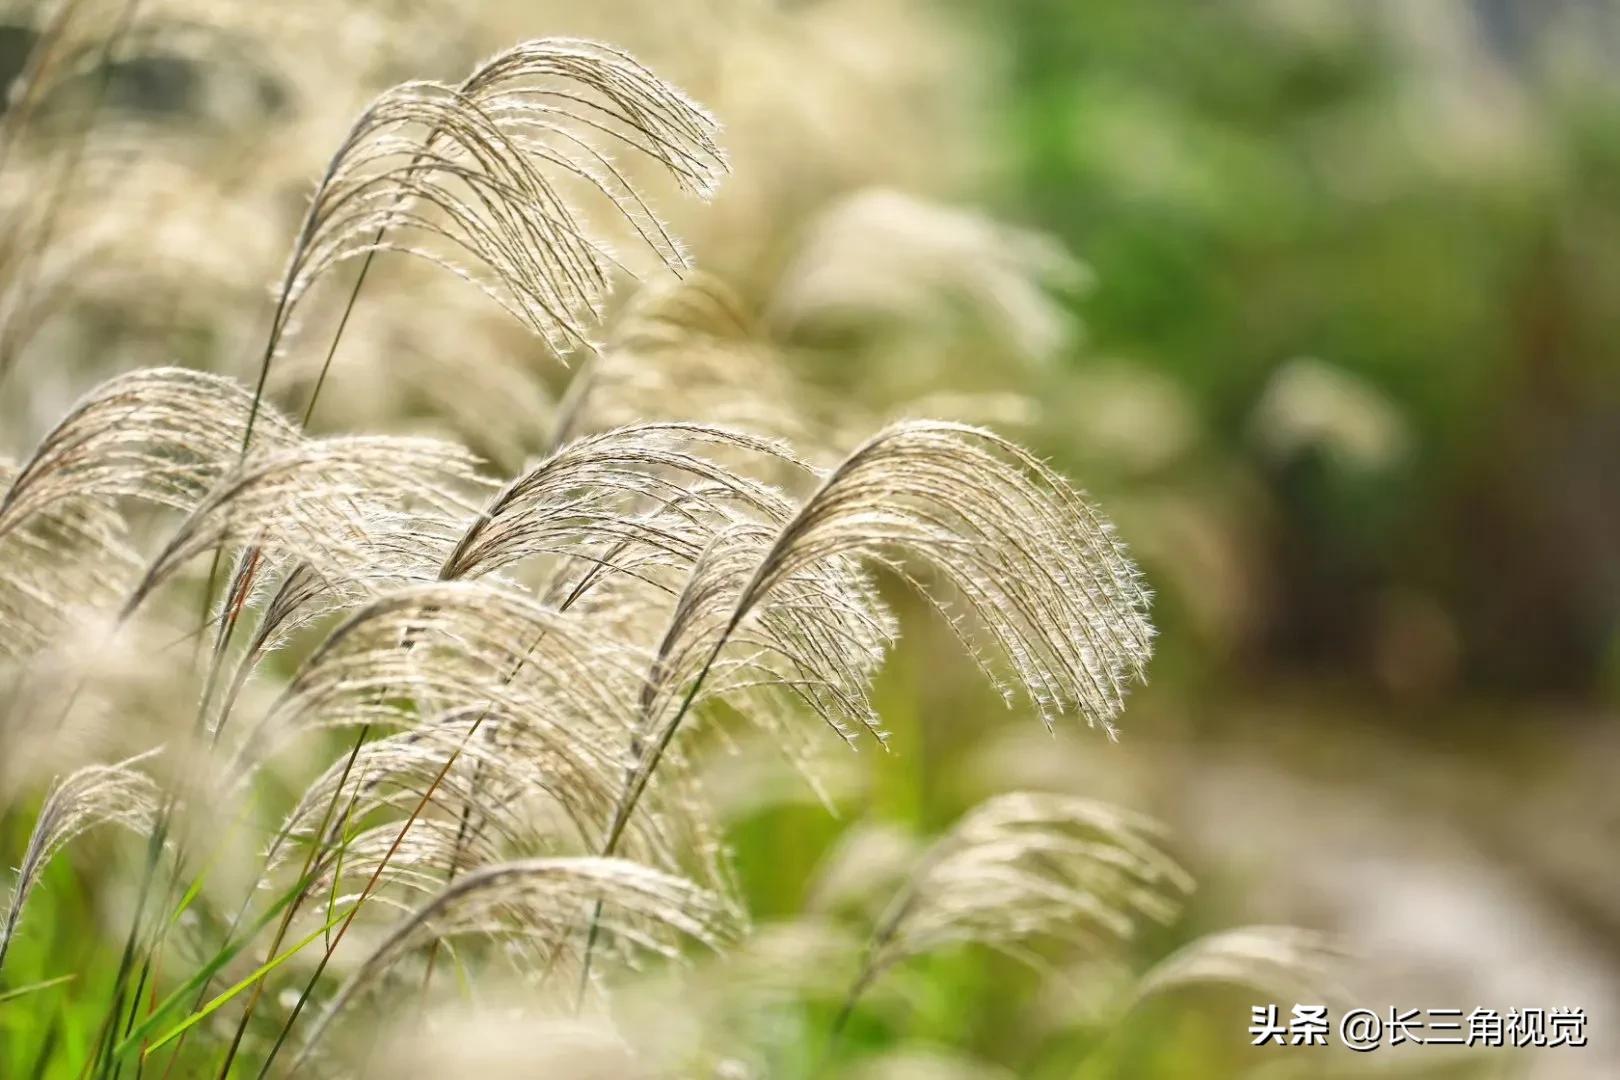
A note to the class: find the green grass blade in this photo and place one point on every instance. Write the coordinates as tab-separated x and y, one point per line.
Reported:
263	969
157	1016
24	991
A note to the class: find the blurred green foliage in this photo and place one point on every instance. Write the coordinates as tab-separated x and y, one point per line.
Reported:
1425	200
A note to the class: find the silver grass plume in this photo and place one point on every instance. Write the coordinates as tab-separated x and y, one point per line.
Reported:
819	640
649	503
391	774
686	348
327	502
398	549
1038	567
883	256
476	178
648	490
1303	965
159	435
551	83
643	911
71	561
1025	865
408	870
526	679
119	794
499	699
491	781
293	600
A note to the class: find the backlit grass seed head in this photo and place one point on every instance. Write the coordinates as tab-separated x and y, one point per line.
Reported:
1047	583
327	502
1294	963
158	435
646	490
494	783
525	679
163	437
883	256
645	912
817	642
478	636
120	794
65	564
685	349
1021	866
483	179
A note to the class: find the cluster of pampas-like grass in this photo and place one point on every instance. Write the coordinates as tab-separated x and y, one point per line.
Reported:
398	736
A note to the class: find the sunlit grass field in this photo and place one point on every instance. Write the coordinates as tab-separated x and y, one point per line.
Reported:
876	538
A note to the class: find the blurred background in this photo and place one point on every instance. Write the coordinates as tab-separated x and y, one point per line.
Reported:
1317	299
